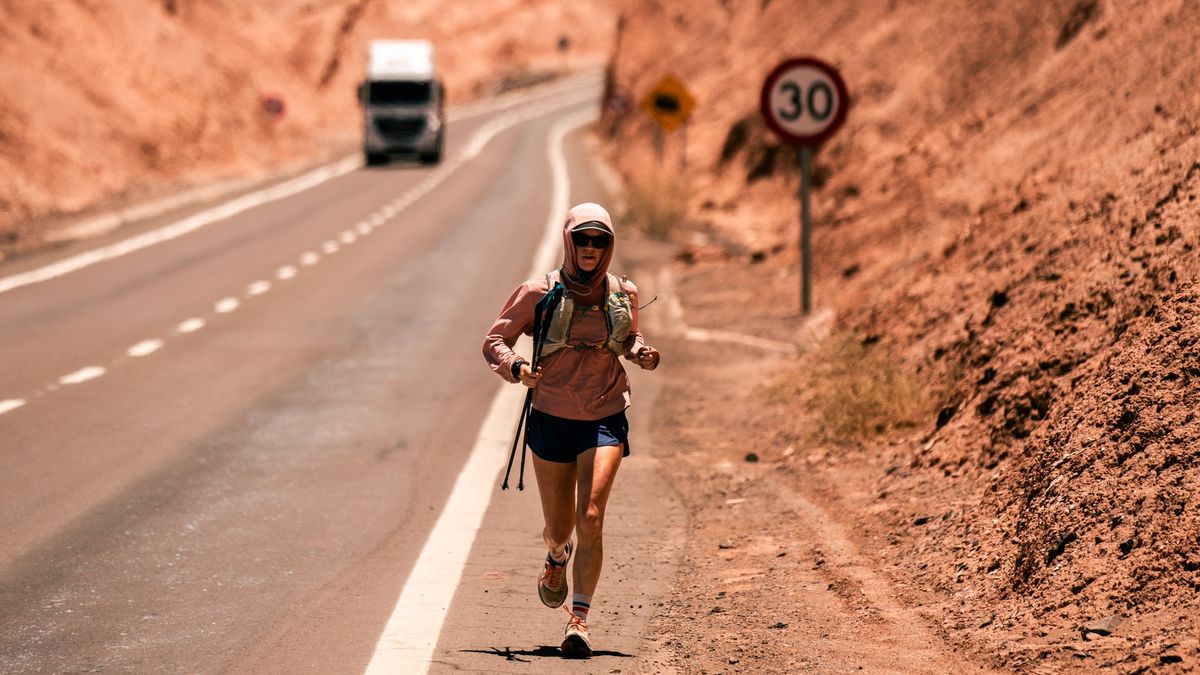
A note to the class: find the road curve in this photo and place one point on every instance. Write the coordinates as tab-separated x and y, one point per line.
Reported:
224	451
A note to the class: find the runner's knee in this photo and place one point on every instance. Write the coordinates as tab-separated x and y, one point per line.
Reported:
590	523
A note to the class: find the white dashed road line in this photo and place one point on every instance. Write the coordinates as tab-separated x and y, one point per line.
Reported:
145	347
554	97
82	375
536	107
190	326
182	227
258	288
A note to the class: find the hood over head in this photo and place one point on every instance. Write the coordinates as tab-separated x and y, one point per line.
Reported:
592	217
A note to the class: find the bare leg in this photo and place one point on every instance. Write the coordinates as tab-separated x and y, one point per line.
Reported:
597	470
556	487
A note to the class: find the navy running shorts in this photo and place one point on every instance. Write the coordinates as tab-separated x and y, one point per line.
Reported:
556	439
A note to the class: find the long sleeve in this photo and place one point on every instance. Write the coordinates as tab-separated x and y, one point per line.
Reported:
585	384
515	318
635	341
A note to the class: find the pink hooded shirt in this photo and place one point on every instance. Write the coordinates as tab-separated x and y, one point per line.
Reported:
576	384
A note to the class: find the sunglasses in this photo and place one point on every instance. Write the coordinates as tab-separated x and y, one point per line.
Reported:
598	240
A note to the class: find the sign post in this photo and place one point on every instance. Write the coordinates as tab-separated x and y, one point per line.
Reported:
670	104
804	102
564	48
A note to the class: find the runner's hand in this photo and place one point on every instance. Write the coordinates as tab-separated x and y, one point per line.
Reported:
529	377
647	358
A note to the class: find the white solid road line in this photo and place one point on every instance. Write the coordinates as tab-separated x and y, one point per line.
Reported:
556	97
413	630
107	222
536	106
182	227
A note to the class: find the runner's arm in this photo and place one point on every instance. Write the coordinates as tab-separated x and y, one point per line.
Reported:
515	318
635	341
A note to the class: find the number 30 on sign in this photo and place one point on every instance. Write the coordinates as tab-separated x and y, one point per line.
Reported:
804	101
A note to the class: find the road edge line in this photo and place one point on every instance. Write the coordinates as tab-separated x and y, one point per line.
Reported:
210	215
415	626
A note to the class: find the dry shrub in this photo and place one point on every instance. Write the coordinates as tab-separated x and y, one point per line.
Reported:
859	391
656	206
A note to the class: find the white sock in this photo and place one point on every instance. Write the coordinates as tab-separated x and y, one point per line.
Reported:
580	605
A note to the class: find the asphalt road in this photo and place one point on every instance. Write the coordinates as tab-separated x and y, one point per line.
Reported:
225	451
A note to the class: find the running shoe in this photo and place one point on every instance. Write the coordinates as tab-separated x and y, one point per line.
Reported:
552	584
575	644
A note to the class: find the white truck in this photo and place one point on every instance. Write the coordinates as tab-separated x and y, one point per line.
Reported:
403	102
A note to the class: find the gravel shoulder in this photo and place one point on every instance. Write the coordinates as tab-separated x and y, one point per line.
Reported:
779	572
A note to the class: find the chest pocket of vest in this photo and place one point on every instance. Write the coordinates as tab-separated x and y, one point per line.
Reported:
618	318
618	313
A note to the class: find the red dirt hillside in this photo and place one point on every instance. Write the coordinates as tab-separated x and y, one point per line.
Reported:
1010	213
118	101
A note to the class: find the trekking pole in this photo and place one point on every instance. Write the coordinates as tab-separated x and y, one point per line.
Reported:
542	313
513	453
541	329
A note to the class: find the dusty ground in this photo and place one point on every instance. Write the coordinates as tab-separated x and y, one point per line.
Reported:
1006	232
775	576
1005	235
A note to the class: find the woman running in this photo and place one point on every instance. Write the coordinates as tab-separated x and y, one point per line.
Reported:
577	428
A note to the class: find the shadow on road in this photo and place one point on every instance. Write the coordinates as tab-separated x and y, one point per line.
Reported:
542	651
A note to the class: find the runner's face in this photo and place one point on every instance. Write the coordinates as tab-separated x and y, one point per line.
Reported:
589	258
589	248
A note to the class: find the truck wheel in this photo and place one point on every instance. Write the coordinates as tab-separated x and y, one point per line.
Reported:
435	155
374	158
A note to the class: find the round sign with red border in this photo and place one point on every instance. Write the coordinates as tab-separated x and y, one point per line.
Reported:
804	101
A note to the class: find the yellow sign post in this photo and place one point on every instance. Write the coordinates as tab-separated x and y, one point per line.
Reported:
669	103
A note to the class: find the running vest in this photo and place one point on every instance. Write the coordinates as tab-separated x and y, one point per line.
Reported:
618	318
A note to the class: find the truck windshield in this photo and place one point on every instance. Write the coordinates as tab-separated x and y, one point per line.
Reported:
399	92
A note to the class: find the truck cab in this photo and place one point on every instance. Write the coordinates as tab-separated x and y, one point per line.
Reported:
403	102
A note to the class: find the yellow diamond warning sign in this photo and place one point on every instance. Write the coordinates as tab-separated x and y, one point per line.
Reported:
669	103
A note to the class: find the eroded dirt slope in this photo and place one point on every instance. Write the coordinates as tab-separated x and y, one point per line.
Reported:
1010	213
110	100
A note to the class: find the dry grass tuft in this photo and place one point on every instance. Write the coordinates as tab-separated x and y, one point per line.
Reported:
862	391
656	206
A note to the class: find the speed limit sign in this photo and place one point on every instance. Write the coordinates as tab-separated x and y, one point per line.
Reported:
804	101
